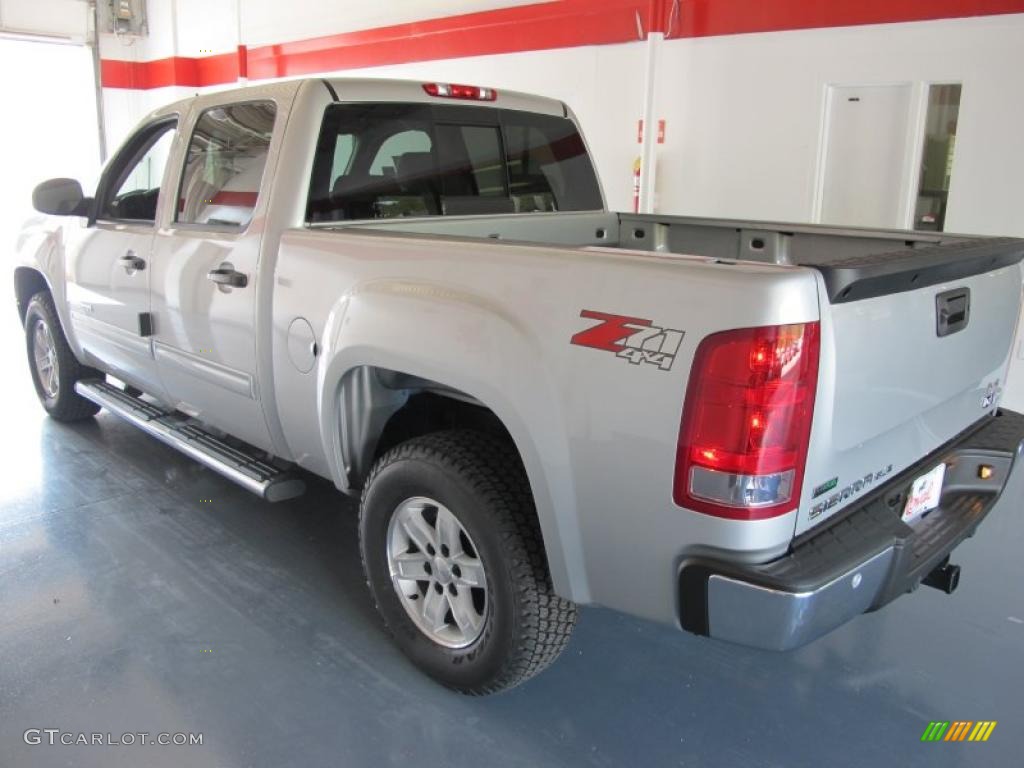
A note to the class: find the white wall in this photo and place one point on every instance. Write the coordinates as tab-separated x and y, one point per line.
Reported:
265	22
744	112
744	115
202	27
745	120
597	82
123	109
212	26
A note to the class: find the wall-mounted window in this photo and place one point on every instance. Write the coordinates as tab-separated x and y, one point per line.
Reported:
937	156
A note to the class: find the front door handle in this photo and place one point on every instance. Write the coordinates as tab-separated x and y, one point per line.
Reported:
225	274
132	263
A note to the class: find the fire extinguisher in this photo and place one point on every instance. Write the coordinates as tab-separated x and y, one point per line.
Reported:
636	185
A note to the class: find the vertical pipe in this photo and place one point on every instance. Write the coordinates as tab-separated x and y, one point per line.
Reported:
648	169
174	29
656	21
243	51
94	43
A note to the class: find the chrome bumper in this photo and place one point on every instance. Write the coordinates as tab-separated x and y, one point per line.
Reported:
864	560
763	617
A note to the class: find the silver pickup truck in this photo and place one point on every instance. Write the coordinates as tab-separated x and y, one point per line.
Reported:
752	431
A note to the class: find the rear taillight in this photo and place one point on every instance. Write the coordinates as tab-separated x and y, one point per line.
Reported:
455	91
747	421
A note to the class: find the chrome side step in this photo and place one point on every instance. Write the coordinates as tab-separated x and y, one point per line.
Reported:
178	431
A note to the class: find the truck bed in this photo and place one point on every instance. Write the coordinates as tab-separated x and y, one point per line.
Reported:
856	263
916	327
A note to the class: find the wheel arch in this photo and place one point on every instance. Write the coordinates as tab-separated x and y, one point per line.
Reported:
378	408
28	281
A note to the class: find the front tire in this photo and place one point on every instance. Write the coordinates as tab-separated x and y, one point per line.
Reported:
55	370
453	556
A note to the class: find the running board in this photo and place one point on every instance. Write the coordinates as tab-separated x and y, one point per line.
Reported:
178	431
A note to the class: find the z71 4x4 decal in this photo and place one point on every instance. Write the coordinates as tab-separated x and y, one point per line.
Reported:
631	338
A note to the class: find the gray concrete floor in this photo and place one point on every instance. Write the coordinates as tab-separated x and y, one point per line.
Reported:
140	592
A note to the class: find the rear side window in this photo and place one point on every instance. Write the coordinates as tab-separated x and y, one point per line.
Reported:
379	161
224	165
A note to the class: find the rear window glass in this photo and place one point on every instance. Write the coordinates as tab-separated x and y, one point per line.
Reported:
379	161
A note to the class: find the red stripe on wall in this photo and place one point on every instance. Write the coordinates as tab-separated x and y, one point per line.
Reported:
706	18
148	74
178	70
223	68
564	24
235	198
544	26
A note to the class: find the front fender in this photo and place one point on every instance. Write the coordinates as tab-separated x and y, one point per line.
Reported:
41	248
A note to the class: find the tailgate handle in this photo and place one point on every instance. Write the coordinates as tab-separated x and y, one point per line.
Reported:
952	311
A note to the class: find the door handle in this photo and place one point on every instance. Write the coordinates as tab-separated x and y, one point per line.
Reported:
952	311
132	263
226	275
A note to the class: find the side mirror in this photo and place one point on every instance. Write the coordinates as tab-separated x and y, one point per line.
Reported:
60	197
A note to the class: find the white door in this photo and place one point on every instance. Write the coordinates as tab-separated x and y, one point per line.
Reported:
204	276
110	264
867	156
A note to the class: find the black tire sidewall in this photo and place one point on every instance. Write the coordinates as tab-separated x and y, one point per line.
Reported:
37	313
484	659
68	405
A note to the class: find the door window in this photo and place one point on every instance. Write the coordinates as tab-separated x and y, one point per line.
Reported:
132	187
224	165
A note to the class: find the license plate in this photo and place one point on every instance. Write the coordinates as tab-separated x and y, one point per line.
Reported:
924	493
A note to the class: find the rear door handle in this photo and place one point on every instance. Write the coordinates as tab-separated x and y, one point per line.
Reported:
132	263
226	275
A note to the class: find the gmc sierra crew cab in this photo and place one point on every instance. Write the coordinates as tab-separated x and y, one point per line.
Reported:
753	431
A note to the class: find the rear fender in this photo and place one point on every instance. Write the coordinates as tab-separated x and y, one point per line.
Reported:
468	344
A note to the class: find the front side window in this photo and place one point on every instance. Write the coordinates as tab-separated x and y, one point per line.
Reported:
224	164
132	190
379	161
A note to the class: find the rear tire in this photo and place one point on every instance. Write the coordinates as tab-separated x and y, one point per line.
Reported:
470	490
54	367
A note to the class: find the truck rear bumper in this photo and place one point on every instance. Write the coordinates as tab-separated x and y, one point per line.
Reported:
865	558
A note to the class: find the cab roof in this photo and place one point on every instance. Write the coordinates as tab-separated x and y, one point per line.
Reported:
356	89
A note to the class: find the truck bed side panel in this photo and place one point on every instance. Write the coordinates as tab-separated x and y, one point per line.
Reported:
494	320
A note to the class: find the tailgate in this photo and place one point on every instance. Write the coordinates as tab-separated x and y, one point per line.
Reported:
914	348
